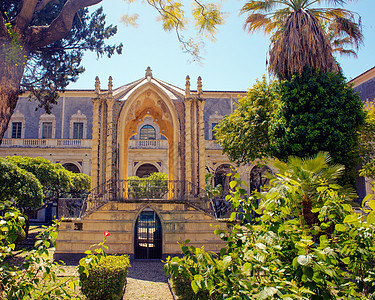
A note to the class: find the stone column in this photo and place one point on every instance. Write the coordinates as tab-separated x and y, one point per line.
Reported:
202	147
95	144
188	140
201	139
187	134
194	143
103	142
110	129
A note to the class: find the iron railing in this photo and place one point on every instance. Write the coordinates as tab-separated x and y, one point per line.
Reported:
145	190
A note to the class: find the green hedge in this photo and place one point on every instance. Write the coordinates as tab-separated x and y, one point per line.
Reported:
182	289
106	278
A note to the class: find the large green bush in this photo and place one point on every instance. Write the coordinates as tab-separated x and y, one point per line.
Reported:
154	186
106	278
318	112
307	242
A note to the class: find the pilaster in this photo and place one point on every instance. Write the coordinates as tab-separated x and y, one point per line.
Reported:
201	139
95	137
103	142
110	129
202	148
194	144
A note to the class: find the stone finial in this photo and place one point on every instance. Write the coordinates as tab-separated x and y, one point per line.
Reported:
187	87
97	85
148	73
199	86
110	85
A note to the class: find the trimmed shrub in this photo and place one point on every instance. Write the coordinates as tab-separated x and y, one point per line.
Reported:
106	279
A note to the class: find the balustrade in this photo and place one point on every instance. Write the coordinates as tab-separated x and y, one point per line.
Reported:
148	144
46	143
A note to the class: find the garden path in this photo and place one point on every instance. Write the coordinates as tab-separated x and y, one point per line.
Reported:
146	280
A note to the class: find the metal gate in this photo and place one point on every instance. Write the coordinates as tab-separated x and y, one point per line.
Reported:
148	236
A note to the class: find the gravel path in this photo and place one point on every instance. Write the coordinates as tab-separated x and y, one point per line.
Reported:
146	280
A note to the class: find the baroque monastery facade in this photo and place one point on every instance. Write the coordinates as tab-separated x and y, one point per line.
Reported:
137	129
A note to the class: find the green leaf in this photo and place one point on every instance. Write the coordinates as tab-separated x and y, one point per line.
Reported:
232	184
346	260
226	261
194	286
304	260
341	227
247	266
233	216
371	203
351	218
371	218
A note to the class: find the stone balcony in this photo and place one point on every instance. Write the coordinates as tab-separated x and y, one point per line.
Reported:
46	143
148	144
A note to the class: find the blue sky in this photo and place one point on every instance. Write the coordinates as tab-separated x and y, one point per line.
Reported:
232	63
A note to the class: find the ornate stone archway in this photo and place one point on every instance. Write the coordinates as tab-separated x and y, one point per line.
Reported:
149	101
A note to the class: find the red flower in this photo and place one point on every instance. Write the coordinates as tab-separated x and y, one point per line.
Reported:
106	233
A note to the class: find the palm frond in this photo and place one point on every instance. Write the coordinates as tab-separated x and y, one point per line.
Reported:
302	44
255	22
263	6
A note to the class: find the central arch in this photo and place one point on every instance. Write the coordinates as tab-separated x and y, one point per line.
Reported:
149	101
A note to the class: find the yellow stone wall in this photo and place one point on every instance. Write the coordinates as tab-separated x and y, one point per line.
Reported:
179	222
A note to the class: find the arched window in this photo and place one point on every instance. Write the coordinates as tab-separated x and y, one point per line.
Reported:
147	132
146	170
71	167
258	179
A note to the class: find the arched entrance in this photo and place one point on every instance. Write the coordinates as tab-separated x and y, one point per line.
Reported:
146	170
257	178
222	178
148	235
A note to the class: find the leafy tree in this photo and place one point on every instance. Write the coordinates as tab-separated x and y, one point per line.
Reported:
57	182
318	112
55	179
20	186
298	38
80	184
367	140
206	17
244	133
41	48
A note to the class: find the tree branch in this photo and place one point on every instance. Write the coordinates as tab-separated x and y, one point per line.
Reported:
42	4
24	17
3	28
44	35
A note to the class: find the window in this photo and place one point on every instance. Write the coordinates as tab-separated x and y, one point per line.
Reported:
47	126
213	130
213	120
47	130
16	130
78	130
147	132
78	126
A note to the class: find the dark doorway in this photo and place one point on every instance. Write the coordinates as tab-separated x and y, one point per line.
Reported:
148	236
258	179
71	167
146	170
222	178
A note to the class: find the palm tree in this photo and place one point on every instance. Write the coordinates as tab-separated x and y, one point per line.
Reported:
308	175
298	37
